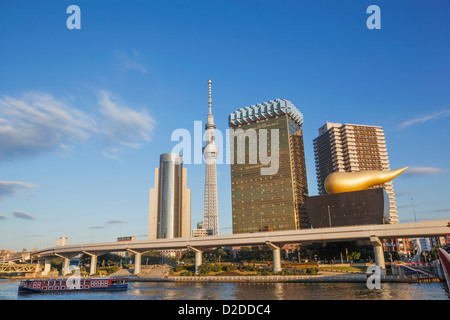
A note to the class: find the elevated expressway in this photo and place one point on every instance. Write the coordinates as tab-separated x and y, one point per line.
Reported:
374	233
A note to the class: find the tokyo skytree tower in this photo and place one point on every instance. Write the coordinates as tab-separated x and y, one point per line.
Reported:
210	153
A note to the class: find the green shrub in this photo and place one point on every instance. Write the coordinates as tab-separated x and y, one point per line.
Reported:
217	268
179	268
313	271
230	268
267	272
229	273
249	268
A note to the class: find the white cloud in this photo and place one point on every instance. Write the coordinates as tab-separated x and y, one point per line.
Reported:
10	188
123	126
38	122
423	171
425	118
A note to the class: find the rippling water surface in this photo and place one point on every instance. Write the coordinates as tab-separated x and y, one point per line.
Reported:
244	291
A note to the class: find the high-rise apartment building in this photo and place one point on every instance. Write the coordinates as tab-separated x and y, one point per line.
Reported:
170	200
268	173
352	148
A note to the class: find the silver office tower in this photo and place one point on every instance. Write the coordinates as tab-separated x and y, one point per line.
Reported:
210	153
170	200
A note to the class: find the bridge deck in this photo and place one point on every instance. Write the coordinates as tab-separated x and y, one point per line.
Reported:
401	230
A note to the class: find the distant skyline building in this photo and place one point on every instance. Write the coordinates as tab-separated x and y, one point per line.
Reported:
200	232
210	153
351	148
62	241
275	201
170	200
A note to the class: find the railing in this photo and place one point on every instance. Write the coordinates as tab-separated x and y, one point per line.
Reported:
306	279
12	267
444	257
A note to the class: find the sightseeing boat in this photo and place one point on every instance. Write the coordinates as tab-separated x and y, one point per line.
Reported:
72	284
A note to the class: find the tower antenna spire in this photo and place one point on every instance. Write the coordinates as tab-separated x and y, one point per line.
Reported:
209	95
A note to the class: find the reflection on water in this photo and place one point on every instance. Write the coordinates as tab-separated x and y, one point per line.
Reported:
245	291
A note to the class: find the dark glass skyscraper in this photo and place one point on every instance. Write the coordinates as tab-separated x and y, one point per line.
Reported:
268	195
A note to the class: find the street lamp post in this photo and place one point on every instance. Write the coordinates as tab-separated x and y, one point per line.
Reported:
414	210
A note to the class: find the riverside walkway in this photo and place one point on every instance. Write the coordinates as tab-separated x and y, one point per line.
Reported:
329	278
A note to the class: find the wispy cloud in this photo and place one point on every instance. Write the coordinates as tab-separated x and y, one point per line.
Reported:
403	193
10	188
96	227
424	118
32	236
442	210
108	223
423	171
415	204
37	123
123	126
115	221
131	61
22	215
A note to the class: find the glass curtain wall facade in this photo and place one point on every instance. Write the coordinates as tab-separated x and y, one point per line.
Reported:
272	202
170	215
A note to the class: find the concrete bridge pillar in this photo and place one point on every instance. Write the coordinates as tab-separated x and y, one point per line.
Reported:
137	261
65	264
38	267
276	257
198	257
47	266
379	254
93	267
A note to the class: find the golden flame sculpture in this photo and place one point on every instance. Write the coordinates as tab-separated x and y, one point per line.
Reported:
338	182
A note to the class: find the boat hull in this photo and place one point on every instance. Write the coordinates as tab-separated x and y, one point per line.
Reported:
63	285
33	290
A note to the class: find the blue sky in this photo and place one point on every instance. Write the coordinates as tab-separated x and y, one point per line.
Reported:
85	114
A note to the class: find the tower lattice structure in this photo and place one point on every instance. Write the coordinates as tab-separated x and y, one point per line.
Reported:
210	153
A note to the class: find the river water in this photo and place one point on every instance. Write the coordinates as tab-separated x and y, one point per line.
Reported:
244	291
